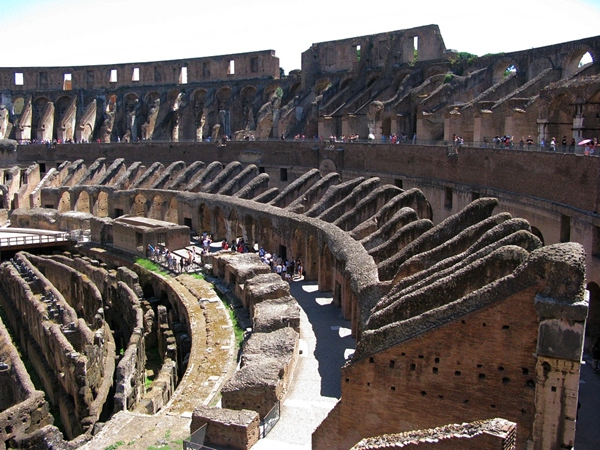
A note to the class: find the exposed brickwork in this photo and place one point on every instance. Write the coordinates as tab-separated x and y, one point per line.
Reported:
449	374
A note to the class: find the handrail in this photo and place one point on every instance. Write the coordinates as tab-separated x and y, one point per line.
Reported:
488	143
34	239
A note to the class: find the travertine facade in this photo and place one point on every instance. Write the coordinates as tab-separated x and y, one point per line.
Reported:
398	82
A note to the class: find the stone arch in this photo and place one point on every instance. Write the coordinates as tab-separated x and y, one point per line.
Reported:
560	117
371	80
173	97
223	105
594	97
592	328
172	214
131	125
83	202
322	85
62	107
500	68
100	208
156	208
219	227
386	126
204	219
346	82
198	97
264	229
326	265
234	227
148	290
537	66
298	249
591	111
64	204
151	97
311	259
111	103
248	116
138	208
170	123
435	70
250	229
327	166
536	231
295	89
18	105
571	61
212	119
38	107
223	97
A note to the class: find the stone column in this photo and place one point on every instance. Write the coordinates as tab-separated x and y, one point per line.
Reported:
542	126
578	123
559	350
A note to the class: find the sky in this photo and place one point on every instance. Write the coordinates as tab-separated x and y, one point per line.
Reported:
86	32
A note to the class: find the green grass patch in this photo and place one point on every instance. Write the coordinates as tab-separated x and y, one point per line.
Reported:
151	266
215	400
448	78
238	331
198	276
114	446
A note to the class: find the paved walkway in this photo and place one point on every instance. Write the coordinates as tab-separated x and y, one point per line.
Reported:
587	436
325	343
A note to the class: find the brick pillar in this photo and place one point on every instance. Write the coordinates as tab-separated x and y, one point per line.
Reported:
560	345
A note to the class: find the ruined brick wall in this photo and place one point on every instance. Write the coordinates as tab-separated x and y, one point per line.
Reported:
233	429
84	358
135	238
79	292
372	51
268	362
477	368
23	409
491	434
261	64
536	174
131	370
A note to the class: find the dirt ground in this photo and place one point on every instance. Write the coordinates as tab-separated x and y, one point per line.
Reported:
128	431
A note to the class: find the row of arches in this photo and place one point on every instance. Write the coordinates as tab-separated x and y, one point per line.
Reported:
156	114
281	236
285	237
575	59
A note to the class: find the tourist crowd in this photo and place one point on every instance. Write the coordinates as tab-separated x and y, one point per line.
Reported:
192	259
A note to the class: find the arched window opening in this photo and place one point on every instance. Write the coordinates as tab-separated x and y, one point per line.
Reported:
585	59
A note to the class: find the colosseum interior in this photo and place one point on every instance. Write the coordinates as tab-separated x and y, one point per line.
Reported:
467	269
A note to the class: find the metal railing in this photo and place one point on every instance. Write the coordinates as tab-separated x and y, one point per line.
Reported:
336	142
270	420
34	239
196	440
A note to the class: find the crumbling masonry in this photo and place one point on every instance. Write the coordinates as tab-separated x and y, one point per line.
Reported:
463	312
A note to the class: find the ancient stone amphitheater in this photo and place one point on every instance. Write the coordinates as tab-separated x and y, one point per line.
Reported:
467	277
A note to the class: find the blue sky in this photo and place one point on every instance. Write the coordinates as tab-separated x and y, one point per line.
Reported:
82	32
